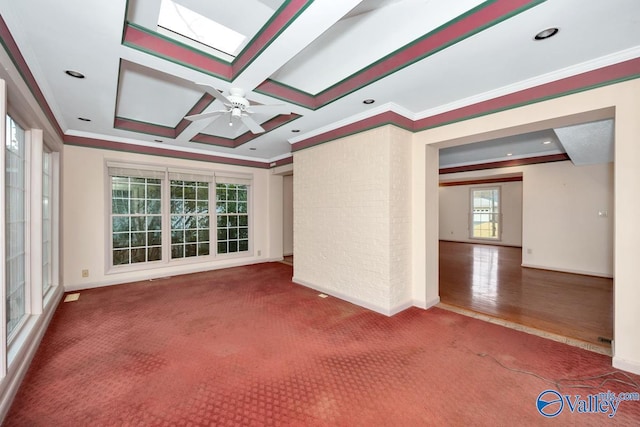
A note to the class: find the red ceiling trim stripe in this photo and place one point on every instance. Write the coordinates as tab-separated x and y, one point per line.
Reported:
144	127
456	30
481	181
138	149
198	108
378	120
12	49
288	93
152	43
602	76
440	39
507	163
282	162
267	34
245	137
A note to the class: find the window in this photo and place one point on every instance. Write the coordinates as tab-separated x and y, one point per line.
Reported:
46	223
163	215
194	26
15	224
233	219
189	219
485	213
136	219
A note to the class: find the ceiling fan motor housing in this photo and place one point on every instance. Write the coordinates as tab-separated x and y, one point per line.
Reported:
237	99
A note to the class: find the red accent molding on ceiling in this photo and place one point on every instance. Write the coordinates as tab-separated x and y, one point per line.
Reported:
269	125
611	74
448	34
143	127
388	117
507	163
600	77
149	41
481	181
138	149
160	130
281	20
18	60
282	162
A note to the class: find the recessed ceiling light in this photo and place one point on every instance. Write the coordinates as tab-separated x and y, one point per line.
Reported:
75	74
295	130
509	154
369	101
545	34
547	142
84	119
253	148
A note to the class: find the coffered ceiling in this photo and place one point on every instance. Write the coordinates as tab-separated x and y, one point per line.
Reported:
424	63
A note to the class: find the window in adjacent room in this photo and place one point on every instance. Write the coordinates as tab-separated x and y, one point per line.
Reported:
485	218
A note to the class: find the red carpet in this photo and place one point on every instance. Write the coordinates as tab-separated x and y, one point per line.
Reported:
246	347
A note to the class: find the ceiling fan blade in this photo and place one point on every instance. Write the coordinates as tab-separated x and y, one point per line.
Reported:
213	92
270	109
201	116
253	126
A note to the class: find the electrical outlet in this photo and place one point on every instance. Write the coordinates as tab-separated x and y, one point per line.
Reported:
529	251
85	273
259	252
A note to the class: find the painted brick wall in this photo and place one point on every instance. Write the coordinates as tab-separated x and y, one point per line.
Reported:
344	226
400	219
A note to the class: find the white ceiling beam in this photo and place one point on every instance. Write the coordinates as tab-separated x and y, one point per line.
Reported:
314	21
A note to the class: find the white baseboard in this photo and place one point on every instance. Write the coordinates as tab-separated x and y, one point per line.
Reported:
157	275
400	307
568	270
626	365
426	304
17	370
357	301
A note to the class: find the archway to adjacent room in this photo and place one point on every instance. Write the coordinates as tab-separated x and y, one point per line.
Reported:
514	282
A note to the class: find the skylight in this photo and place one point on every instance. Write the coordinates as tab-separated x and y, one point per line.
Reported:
190	24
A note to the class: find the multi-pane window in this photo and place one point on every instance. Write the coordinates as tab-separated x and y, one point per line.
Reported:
15	224
232	218
136	219
167	215
189	219
485	213
46	223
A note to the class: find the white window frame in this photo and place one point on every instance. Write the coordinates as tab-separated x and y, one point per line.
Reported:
213	177
497	214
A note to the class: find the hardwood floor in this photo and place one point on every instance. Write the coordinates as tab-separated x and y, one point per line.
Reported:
489	279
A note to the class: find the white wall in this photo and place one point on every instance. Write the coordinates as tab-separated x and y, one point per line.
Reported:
287	215
84	236
561	226
454	213
352	218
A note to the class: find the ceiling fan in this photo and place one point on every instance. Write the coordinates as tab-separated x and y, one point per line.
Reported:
237	107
